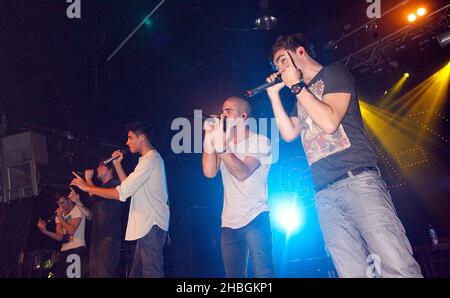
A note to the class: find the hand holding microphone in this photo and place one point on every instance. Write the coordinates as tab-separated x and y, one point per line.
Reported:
59	212
209	126
219	139
274	80
288	75
223	134
117	156
215	135
276	84
211	122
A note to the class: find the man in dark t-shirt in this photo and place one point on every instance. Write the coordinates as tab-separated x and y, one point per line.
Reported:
360	226
106	231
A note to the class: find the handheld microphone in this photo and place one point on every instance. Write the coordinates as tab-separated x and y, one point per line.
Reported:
209	117
261	88
81	173
51	218
124	151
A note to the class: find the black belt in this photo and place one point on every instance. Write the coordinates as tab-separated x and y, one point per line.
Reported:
346	175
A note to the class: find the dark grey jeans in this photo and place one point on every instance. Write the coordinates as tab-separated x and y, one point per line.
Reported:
362	231
148	256
254	239
104	257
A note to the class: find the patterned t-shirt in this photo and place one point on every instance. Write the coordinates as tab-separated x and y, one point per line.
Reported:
332	155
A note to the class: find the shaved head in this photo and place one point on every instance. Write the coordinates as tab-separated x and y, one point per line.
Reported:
241	105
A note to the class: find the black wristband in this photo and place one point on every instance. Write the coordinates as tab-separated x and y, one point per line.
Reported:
297	88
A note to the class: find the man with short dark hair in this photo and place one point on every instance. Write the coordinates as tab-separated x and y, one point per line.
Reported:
356	214
106	230
148	220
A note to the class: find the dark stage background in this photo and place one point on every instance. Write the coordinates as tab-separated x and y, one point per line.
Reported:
55	80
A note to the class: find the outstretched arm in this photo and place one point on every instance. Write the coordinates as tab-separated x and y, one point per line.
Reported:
107	193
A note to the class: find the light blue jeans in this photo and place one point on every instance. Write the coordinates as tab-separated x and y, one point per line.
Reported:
362	231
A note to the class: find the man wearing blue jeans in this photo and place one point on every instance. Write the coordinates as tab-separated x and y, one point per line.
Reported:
148	219
360	226
244	159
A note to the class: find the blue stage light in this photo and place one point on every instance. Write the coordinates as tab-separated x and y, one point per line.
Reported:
288	216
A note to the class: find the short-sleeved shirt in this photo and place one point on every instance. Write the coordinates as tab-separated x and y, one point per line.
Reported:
77	239
332	155
245	200
106	216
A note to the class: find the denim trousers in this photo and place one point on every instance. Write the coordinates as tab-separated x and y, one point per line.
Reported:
104	257
362	231
148	256
254	239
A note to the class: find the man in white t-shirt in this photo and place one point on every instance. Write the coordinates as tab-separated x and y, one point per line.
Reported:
148	218
244	158
70	226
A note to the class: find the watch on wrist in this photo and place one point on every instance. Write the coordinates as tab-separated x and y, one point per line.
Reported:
297	88
225	150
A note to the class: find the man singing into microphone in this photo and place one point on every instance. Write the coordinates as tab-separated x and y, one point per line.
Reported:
356	213
244	158
70	226
148	220
106	230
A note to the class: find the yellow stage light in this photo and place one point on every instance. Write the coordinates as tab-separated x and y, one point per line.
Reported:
421	12
413	119
391	94
412	17
406	129
406	75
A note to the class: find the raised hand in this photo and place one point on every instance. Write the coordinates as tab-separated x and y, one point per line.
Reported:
291	74
41	224
74	197
219	139
275	89
88	174
118	160
59	212
211	124
79	182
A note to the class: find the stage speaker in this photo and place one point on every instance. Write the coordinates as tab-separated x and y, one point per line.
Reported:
21	156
